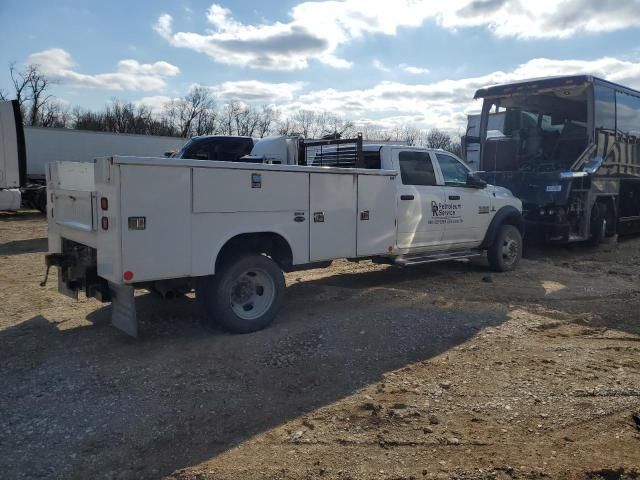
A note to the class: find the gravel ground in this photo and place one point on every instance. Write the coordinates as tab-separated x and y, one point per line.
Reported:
370	372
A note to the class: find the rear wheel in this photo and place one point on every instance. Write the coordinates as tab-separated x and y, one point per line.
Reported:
245	295
40	200
506	251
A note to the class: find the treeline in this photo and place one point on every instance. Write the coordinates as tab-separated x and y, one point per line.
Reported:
198	113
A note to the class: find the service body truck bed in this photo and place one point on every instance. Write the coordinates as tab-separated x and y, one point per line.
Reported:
230	229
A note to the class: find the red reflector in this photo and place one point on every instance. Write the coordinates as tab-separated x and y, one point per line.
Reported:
104	203
128	276
105	223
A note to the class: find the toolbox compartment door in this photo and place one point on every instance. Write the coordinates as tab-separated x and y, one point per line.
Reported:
72	190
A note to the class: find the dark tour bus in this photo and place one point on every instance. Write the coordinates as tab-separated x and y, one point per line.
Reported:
569	148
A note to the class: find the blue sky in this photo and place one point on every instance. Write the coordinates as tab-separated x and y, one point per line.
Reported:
377	62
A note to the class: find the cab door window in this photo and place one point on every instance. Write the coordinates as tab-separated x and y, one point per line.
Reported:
453	171
416	168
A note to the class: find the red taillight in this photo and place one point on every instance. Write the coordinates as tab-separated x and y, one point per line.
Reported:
105	223
104	203
128	276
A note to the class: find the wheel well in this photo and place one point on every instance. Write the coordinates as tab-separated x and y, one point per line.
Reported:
516	221
267	243
506	216
610	203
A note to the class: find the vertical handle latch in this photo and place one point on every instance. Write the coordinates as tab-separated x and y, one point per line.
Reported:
318	217
364	215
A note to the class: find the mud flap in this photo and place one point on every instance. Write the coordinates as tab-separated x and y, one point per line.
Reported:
123	309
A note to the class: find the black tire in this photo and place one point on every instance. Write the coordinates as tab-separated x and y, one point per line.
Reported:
40	200
598	227
506	251
244	295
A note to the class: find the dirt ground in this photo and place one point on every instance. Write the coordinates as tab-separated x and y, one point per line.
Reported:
369	372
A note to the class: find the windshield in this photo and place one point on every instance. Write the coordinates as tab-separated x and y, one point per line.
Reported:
542	132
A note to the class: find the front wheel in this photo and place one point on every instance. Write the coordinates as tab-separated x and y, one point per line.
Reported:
245	295
506	251
598	226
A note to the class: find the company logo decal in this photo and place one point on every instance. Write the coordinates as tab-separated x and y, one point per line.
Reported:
443	212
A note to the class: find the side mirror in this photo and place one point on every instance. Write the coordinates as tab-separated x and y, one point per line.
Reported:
473	181
469	140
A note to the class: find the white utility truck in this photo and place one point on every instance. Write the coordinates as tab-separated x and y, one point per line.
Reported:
229	229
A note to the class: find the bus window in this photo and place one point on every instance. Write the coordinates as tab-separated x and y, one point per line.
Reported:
628	114
605	107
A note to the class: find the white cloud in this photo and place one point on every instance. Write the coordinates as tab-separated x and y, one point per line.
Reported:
256	91
387	104
413	69
378	65
130	74
317	29
446	103
155	102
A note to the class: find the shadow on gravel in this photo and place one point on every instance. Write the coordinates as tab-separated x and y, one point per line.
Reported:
19	247
21	215
86	402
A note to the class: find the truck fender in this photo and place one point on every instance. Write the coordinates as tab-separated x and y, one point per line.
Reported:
277	243
506	215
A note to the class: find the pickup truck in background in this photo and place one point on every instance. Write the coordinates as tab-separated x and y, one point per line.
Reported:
230	229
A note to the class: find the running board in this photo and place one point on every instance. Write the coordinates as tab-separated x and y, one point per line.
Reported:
406	261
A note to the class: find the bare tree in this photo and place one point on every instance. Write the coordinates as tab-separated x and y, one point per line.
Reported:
31	89
410	135
192	111
304	123
337	127
438	139
267	117
20	85
285	127
3	95
54	114
229	116
39	85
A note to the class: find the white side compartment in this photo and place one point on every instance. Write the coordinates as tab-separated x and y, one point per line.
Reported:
332	213
376	214
162	196
217	190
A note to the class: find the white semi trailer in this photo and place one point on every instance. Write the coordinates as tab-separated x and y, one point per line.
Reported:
230	229
25	151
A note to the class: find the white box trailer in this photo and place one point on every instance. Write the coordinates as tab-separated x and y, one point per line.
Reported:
45	145
230	229
25	152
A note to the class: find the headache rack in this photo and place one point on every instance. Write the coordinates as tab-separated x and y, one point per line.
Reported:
344	153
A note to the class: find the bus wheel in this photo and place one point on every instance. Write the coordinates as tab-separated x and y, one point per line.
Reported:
598	228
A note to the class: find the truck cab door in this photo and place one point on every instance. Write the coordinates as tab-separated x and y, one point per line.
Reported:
419	193
466	211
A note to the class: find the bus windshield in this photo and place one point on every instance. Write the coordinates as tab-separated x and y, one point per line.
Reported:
543	132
